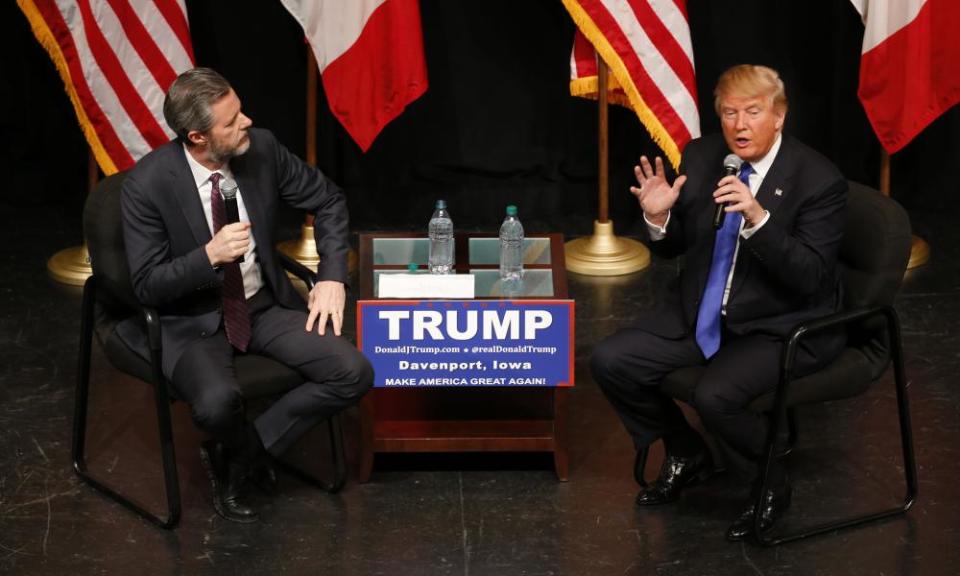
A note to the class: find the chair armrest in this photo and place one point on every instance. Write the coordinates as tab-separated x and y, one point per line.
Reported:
150	316
152	319
789	355
823	323
309	277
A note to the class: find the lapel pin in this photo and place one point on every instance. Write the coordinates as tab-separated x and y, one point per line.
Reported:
778	192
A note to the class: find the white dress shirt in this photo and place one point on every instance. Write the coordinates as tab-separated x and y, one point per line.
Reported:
250	267
760	169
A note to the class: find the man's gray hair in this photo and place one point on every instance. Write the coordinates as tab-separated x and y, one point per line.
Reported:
187	104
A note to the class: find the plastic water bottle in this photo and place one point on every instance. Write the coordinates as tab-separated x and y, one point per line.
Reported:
511	249
440	231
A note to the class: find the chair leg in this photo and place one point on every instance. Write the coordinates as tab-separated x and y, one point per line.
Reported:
786	448
337	461
170	478
80	429
906	439
78	450
793	430
903	409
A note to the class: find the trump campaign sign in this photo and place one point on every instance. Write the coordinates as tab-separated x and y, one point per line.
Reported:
467	343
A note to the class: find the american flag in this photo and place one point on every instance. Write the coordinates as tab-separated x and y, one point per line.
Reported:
117	58
646	44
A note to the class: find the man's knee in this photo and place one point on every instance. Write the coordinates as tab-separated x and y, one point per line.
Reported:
605	364
356	375
713	400
217	409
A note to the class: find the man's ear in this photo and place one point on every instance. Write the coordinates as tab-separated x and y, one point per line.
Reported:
197	138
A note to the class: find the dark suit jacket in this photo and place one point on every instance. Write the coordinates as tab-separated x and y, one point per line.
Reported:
786	272
165	232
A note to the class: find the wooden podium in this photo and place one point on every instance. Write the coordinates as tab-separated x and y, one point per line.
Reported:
493	419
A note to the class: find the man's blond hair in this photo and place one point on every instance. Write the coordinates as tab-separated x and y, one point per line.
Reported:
751	81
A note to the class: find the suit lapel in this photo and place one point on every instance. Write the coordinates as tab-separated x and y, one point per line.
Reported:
776	186
183	185
252	198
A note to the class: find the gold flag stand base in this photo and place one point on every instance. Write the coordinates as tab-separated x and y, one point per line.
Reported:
304	251
70	266
603	254
919	253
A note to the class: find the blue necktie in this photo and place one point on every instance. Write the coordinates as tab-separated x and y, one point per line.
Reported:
708	317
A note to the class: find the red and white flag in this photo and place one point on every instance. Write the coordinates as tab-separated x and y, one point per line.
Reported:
117	58
910	65
646	44
370	55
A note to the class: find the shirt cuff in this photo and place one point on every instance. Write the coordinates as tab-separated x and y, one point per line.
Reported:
657	232
748	232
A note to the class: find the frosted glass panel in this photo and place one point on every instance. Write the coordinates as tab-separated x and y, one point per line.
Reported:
400	251
536	284
487	251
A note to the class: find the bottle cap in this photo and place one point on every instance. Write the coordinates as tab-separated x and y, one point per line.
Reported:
441	204
511	210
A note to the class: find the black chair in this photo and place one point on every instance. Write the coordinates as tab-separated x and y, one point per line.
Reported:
107	299
873	257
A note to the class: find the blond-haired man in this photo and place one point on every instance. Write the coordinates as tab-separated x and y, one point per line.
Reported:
769	263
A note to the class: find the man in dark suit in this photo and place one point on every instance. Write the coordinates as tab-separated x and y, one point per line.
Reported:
744	286
220	289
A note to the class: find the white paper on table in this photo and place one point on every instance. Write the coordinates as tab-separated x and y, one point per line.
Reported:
461	286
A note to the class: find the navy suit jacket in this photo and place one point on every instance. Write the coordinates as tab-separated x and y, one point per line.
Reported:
786	272
165	233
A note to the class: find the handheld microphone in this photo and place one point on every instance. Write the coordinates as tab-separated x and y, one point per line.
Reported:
731	164
228	189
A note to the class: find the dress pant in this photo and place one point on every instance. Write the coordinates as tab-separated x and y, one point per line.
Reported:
630	365
336	375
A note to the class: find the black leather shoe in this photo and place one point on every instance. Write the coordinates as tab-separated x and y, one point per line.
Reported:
676	473
226	479
775	503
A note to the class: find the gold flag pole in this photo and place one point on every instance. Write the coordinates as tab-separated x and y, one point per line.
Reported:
72	265
919	249
604	254
304	250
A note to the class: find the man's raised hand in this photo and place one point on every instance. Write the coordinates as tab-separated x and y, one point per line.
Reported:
656	195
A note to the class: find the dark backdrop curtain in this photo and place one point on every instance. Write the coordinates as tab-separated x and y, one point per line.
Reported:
497	124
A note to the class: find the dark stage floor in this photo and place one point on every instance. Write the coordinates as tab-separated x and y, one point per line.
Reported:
467	515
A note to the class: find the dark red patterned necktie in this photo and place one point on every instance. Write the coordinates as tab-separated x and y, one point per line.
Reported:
236	316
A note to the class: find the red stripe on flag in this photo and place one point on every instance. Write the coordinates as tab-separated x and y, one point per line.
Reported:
98	120
584	55
177	20
913	76
144	44
113	71
682	6
648	89
667	45
383	71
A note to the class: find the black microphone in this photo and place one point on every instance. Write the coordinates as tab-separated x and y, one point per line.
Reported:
731	164
228	189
